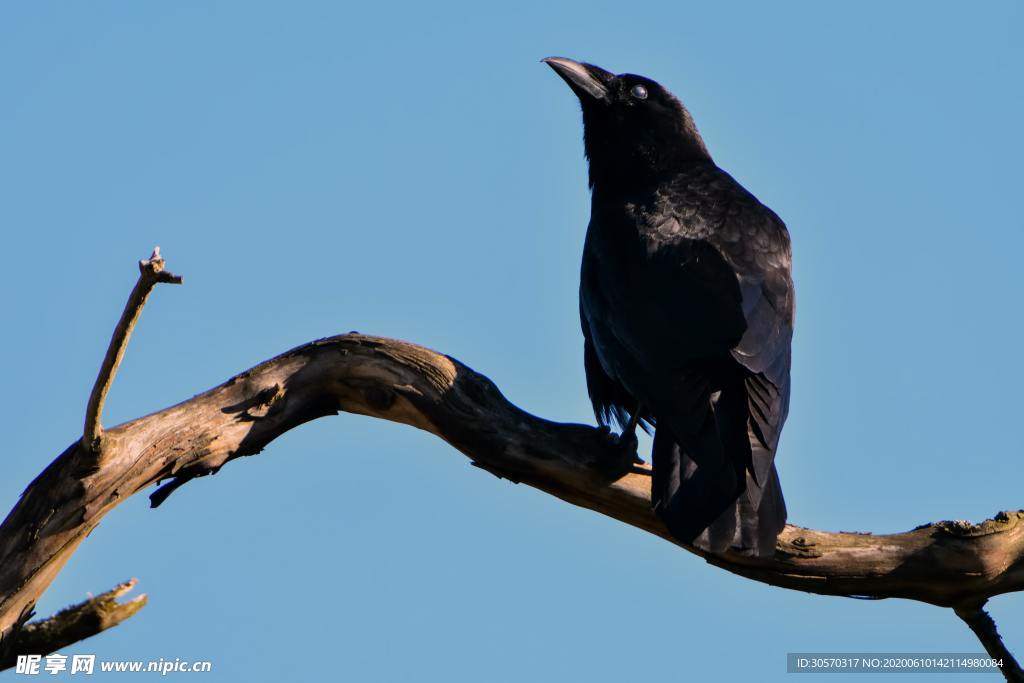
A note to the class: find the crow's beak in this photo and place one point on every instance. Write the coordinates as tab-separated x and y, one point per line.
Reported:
589	82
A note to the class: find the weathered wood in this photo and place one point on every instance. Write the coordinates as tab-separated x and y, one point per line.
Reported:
151	272
74	624
952	564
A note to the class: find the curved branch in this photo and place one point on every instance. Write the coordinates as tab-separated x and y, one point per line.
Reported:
948	563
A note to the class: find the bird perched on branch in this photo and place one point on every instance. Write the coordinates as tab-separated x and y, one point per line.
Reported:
687	305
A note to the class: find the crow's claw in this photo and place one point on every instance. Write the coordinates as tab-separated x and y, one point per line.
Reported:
626	442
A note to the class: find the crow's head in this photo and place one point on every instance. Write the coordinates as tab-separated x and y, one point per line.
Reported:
633	129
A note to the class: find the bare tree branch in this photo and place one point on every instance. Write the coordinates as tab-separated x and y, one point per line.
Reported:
949	564
981	623
151	271
73	624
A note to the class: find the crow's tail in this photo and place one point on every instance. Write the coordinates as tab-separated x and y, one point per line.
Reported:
749	525
703	487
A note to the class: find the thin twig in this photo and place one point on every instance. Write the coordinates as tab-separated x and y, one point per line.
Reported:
151	272
981	623
71	625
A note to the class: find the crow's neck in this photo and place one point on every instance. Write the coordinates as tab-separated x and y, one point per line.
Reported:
630	176
642	165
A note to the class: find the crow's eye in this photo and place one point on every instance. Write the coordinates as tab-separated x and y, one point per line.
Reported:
638	91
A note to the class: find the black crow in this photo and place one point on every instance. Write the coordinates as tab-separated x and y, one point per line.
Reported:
687	304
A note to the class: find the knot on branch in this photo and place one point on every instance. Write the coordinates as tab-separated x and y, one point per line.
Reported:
1003	521
153	269
259	406
799	547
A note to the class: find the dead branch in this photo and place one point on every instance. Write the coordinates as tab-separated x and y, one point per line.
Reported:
151	271
978	620
73	624
949	564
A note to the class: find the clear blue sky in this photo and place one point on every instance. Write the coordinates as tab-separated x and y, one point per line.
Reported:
414	171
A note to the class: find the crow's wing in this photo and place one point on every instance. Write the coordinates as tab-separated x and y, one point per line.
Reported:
755	242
